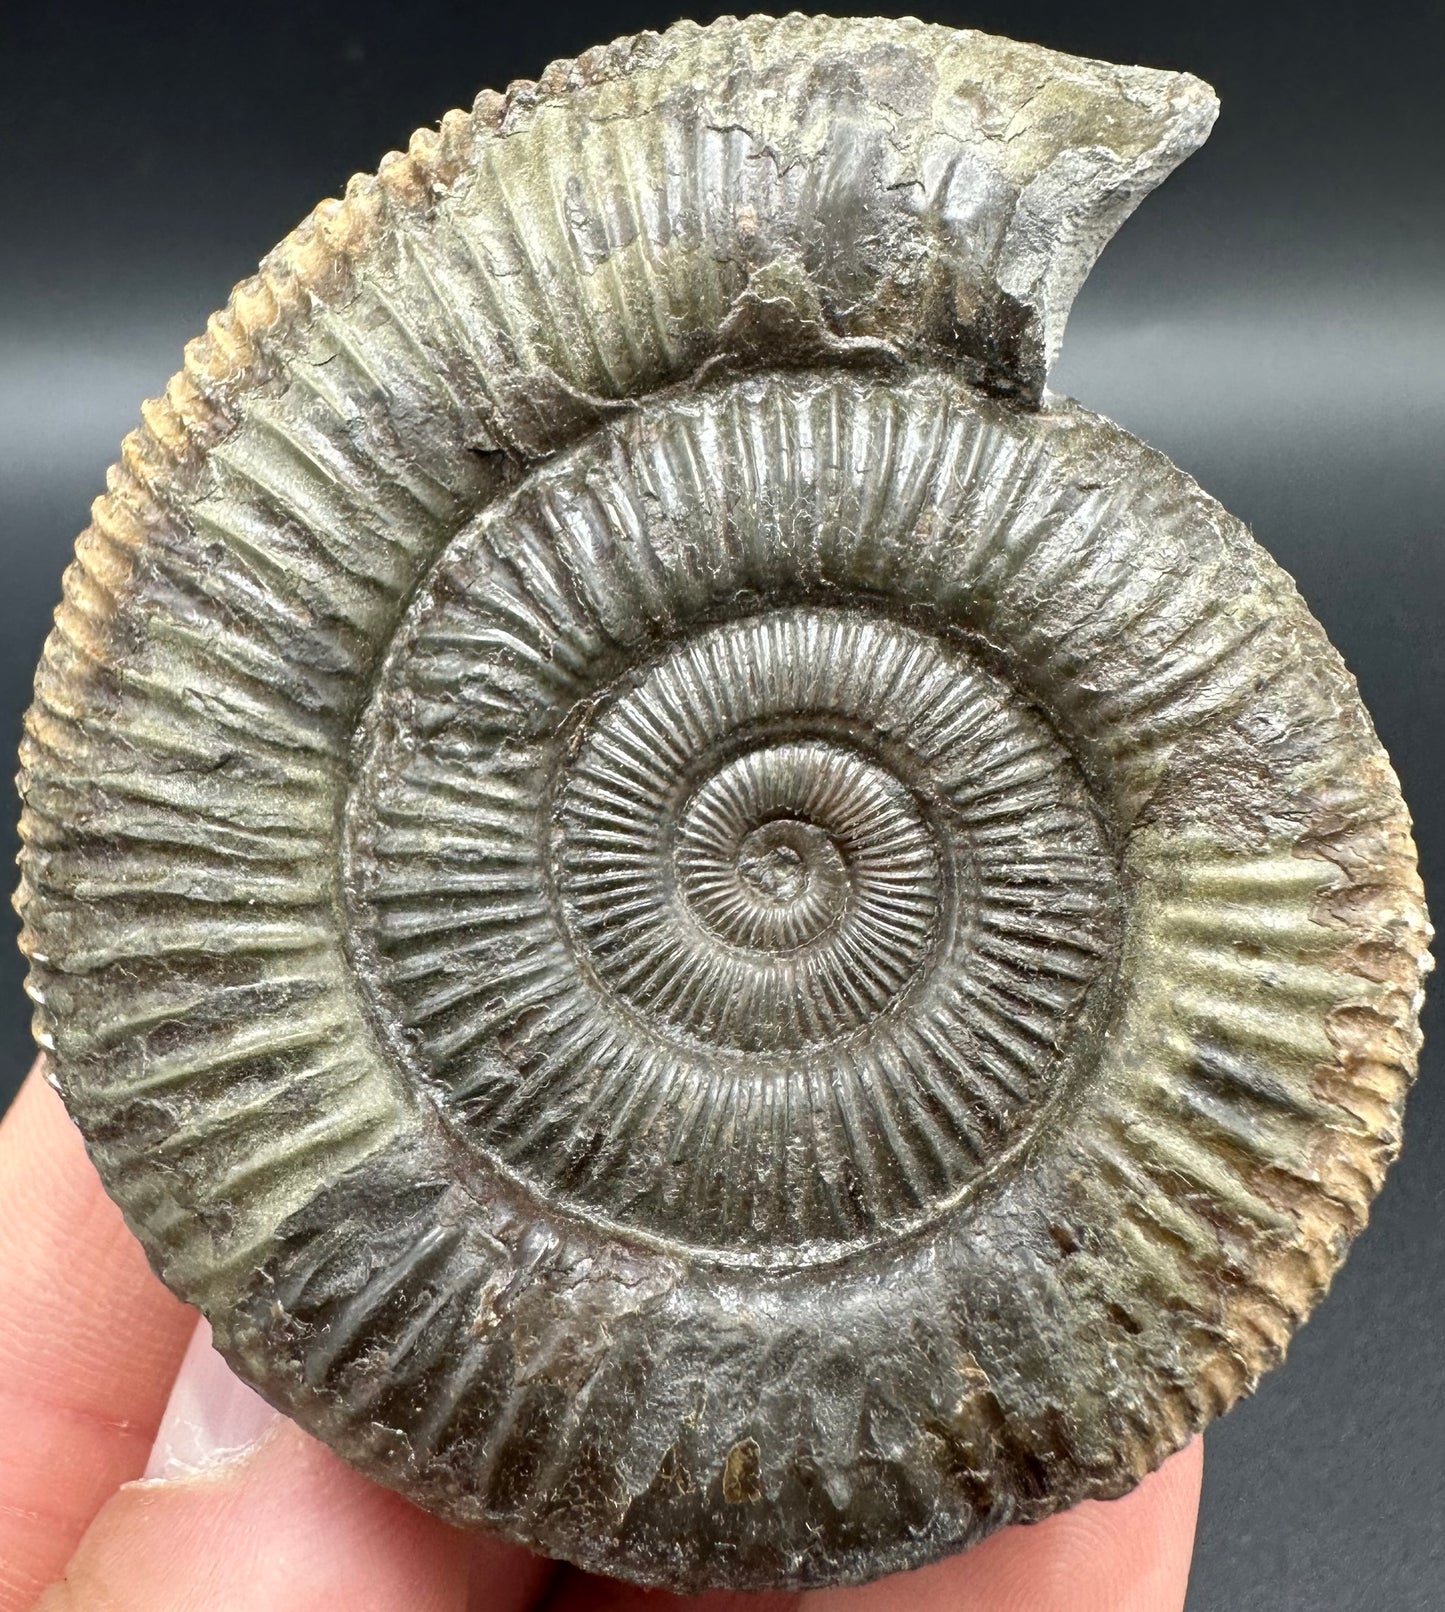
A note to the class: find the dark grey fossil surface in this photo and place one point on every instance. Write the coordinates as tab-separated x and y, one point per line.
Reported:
713	930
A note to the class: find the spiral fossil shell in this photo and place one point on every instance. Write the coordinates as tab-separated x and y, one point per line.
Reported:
713	931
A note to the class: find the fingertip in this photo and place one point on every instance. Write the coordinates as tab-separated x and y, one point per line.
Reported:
286	1527
89	1343
211	1417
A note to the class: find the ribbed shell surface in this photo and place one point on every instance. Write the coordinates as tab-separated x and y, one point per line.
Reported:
715	933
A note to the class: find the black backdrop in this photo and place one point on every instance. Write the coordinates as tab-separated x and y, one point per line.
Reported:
1274	319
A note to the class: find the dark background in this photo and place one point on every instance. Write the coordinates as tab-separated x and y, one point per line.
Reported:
1274	319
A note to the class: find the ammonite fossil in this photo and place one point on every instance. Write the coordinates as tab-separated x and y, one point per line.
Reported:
714	932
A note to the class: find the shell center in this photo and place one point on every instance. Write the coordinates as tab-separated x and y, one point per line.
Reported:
771	864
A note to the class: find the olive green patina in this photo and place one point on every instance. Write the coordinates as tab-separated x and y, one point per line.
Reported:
714	932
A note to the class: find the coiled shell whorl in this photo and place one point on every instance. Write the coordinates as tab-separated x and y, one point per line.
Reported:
714	932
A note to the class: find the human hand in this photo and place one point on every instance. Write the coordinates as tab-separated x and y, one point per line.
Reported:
125	1487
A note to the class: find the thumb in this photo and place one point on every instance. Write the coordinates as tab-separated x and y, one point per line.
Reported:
240	1511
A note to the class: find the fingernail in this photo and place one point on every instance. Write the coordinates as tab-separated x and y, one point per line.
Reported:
212	1416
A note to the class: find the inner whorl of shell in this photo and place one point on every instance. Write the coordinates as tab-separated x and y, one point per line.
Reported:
712	931
772	942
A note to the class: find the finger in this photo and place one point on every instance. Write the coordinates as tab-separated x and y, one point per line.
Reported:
246	1513
1129	1555
506	1578
89	1343
585	1592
